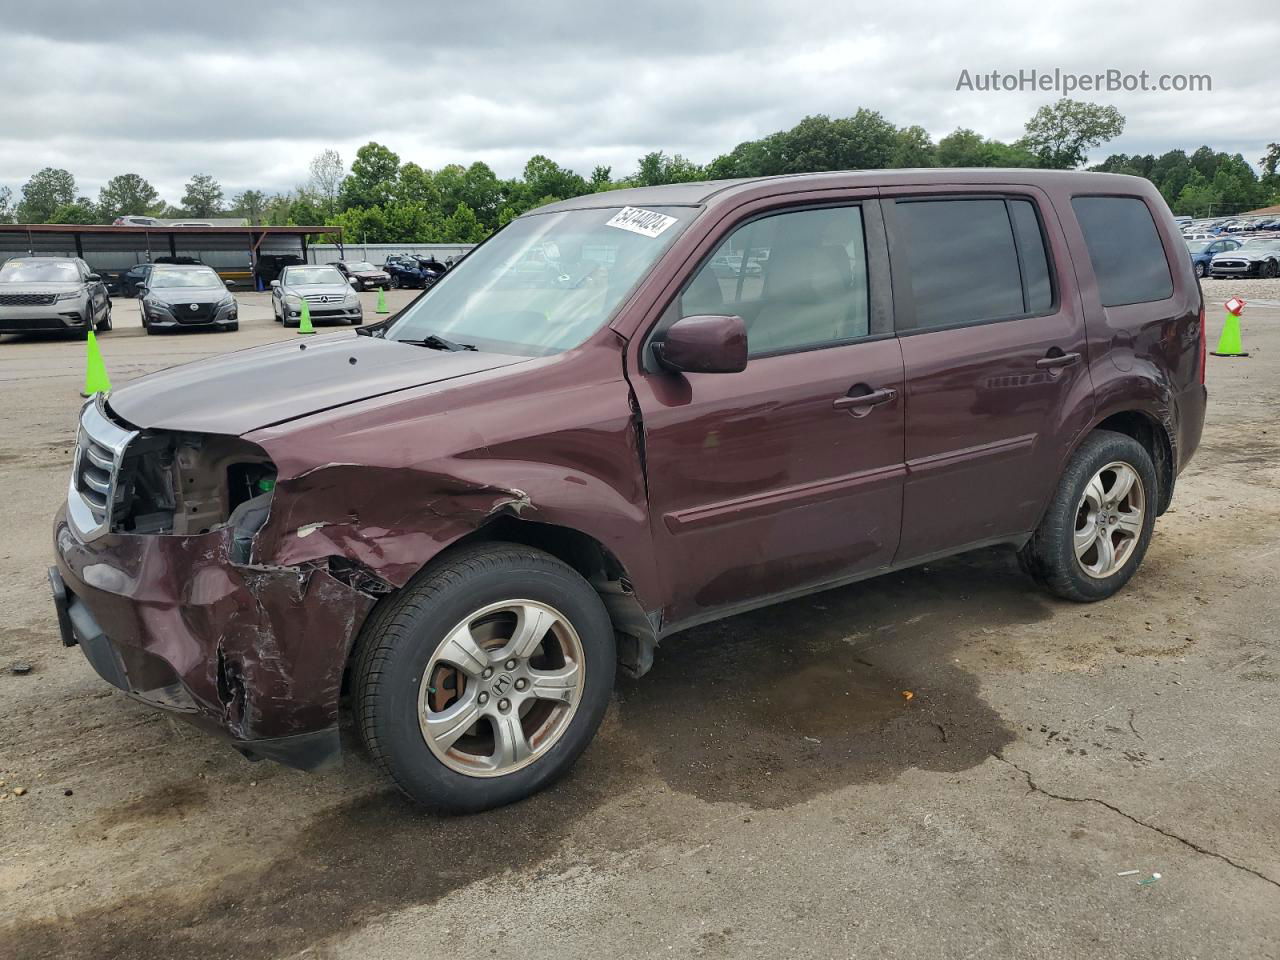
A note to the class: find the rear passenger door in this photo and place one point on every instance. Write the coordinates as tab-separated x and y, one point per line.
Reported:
994	350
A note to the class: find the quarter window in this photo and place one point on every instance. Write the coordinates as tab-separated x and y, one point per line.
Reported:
1124	247
798	280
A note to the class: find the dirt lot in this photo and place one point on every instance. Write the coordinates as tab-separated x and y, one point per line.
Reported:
768	790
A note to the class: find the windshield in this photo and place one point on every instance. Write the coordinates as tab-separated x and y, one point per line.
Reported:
361	266
1198	246
1263	243
160	277
310	276
39	271
544	283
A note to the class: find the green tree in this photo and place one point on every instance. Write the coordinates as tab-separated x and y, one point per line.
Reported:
1059	134
967	148
543	177
203	196
373	177
1197	198
601	178
6	205
418	186
463	226
125	194
80	211
657	168
251	204
44	193
913	147
1270	162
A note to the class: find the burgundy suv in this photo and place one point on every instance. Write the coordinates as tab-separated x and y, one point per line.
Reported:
622	415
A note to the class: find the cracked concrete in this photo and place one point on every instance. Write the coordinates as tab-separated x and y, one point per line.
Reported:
1034	787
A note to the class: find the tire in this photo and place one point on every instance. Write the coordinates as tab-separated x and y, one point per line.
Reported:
1051	557
358	321
412	634
104	324
231	327
291	323
395	283
1201	272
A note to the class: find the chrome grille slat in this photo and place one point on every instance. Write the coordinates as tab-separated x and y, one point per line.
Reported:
100	457
27	299
100	448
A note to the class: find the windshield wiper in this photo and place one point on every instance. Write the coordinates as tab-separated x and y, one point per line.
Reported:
437	342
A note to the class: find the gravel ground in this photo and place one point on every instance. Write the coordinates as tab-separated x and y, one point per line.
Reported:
768	790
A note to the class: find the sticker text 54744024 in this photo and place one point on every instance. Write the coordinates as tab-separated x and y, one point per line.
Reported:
647	223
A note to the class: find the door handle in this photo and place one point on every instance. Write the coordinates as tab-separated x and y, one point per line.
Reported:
1052	361
868	400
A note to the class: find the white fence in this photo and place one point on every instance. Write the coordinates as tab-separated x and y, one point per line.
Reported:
377	253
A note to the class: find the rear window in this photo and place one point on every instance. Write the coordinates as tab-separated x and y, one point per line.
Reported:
1124	247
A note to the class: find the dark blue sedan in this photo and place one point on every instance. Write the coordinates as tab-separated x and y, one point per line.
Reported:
1202	251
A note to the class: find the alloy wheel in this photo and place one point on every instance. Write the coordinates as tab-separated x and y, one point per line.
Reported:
1109	520
502	688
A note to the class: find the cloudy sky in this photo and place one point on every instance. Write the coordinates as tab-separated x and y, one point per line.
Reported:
250	91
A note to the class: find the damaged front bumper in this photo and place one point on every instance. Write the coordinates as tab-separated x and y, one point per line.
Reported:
254	654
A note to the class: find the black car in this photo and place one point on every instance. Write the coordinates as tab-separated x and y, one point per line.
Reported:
136	276
434	268
181	296
364	273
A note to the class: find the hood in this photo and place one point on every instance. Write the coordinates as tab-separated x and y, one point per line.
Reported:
250	389
1246	253
370	273
188	294
42	286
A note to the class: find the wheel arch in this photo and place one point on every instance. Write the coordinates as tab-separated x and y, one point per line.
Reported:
635	632
1154	437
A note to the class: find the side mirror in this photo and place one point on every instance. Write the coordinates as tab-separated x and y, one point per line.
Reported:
143	290
229	283
704	344
93	277
275	284
351	282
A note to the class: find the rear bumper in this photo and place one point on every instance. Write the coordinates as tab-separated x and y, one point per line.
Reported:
1190	410
254	656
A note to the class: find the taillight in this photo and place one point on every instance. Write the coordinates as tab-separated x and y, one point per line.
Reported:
1204	342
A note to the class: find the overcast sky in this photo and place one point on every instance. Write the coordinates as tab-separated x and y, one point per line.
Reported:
250	91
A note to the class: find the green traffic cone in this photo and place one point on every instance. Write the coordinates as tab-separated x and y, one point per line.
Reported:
1229	344
95	371
382	301
304	322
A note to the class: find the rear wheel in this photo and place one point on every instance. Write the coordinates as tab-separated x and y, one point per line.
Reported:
1099	522
485	679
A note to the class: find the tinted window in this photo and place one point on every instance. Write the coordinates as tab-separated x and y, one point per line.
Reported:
1125	249
961	260
1032	256
798	279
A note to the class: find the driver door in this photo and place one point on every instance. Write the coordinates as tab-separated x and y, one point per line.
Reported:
775	480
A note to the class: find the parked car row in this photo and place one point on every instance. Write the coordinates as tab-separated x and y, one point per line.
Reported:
1230	225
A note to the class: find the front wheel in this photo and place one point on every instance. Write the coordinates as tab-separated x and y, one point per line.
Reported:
395	283
1099	522
483	681
1200	270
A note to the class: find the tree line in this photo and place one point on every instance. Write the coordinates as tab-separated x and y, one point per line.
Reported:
382	198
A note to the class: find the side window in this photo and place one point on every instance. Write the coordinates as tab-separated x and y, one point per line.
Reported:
961	260
1124	247
798	279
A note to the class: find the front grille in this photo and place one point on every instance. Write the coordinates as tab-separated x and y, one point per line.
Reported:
27	299
100	448
194	312
333	298
16	325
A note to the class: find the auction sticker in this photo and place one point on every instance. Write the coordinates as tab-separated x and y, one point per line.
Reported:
647	223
